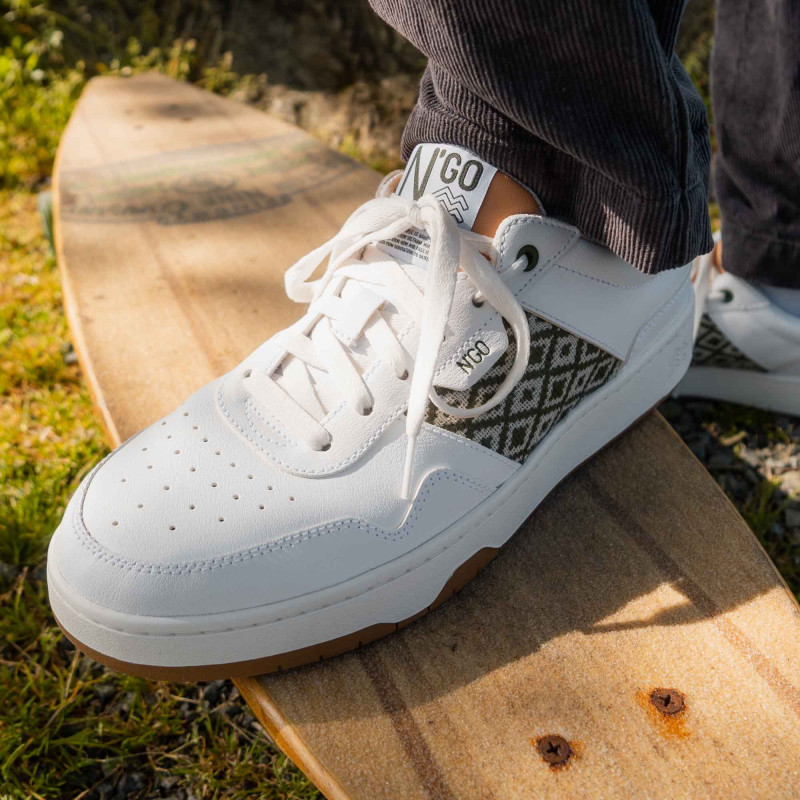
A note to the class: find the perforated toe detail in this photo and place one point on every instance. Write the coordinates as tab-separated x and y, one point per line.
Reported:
198	497
167	494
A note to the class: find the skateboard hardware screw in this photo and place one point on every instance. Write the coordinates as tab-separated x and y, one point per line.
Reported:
554	749
668	701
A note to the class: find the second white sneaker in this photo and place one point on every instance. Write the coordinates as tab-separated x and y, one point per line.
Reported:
747	349
459	357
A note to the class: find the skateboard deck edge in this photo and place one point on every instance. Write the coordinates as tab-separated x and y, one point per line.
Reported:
71	308
288	739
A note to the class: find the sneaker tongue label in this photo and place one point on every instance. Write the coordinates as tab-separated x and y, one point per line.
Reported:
455	177
458	179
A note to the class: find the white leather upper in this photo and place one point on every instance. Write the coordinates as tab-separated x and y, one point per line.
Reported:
215	508
187	510
764	332
353	435
583	287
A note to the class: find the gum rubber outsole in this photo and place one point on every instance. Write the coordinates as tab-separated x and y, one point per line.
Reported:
295	658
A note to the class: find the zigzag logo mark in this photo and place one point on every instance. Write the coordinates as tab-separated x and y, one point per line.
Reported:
454	203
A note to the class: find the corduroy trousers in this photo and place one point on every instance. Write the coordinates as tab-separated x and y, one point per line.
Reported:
587	103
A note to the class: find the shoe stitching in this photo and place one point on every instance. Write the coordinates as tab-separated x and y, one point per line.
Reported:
627	286
102	553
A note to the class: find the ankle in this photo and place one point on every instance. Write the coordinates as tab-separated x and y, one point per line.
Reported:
716	255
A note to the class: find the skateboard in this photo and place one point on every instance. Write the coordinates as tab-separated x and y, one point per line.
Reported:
632	640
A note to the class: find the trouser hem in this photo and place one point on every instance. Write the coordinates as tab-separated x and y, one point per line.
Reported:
759	257
652	232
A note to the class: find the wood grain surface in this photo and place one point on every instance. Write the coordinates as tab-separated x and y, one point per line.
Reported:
176	215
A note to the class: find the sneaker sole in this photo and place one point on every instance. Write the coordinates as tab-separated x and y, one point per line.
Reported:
768	390
387	598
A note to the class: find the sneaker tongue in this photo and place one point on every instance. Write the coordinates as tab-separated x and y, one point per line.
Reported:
477	195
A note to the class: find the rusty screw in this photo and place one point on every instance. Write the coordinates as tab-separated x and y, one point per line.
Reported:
554	749
668	701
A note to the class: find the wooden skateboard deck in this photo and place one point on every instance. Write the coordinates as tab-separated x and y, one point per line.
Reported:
633	639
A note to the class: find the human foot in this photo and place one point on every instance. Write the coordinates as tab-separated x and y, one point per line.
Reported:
747	348
323	492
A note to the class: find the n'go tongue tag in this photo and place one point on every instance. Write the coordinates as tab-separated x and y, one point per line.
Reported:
457	178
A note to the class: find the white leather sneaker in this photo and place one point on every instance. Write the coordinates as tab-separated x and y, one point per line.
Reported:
747	349
354	469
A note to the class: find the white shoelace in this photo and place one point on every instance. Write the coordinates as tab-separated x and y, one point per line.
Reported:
336	324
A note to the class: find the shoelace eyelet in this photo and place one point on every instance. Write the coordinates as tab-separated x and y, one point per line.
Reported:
378	220
477	303
366	412
325	447
532	254
727	296
404	376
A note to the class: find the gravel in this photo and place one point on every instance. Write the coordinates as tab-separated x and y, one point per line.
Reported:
755	457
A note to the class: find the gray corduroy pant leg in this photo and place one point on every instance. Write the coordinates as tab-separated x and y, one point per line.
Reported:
756	94
583	101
